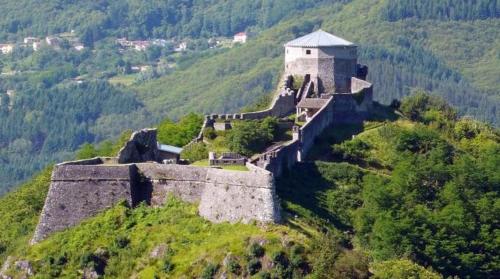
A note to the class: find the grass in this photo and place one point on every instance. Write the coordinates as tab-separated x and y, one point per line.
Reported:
126	80
19	211
205	163
191	242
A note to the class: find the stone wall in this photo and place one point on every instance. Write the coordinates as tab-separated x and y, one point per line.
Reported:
280	159
314	127
80	191
141	147
239	196
282	105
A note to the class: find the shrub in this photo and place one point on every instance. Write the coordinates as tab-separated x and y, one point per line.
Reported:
209	133
250	137
180	133
297	258
399	269
415	106
352	150
280	258
195	152
121	241
254	266
87	259
255	250
264	275
167	266
233	266
209	271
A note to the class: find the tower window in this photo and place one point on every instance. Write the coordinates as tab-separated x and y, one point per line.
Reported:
308	51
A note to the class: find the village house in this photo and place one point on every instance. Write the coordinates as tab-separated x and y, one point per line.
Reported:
6	48
79	46
37	45
240	38
181	47
30	40
52	41
141	45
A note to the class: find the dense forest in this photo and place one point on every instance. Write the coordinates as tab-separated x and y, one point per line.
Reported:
43	120
138	19
443	9
411	193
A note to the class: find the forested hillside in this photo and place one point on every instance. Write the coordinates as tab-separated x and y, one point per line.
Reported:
438	47
138	19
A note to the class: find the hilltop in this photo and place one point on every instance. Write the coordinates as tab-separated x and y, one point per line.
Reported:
414	186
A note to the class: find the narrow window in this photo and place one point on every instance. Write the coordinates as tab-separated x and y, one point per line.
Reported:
308	51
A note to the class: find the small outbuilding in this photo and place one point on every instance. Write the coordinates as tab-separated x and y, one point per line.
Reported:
169	153
310	106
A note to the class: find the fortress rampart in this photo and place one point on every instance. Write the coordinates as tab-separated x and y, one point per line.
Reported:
80	190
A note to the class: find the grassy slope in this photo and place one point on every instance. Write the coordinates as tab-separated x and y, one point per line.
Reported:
192	242
19	211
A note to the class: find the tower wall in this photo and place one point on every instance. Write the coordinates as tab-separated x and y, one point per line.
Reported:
333	67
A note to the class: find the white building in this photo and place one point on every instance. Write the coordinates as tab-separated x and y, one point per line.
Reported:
30	40
240	38
181	47
79	46
6	48
37	45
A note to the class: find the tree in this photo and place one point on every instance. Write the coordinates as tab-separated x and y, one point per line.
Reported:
250	137
401	269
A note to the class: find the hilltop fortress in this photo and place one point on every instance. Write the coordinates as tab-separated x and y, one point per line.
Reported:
322	85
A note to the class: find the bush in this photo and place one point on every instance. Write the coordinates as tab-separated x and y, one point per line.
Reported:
280	258
195	152
209	271
400	269
121	241
254	266
255	250
264	275
355	149
209	133
419	140
167	266
297	258
180	133
250	137
415	106
233	266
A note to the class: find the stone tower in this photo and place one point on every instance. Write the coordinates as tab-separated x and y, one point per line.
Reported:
329	61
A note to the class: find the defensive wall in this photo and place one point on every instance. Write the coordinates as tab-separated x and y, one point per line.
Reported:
340	108
82	189
79	191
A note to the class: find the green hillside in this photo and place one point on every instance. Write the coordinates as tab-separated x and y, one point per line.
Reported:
450	53
412	195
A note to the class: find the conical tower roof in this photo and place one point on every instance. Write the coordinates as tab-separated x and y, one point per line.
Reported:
318	38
